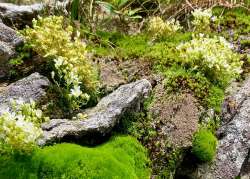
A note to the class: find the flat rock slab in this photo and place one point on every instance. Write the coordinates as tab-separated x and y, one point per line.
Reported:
31	87
234	143
102	118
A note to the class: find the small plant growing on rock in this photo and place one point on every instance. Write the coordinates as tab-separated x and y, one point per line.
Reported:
204	145
212	56
202	19
20	127
54	40
158	28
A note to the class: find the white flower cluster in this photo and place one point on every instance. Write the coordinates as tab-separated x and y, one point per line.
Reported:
20	126
69	74
159	28
211	55
202	19
74	74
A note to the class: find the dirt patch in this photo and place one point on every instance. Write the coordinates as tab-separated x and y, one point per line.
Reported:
175	119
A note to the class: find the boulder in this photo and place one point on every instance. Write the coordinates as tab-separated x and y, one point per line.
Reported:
175	120
232	103
31	87
100	119
111	77
19	16
9	40
234	134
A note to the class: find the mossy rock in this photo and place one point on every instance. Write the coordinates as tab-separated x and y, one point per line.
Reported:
121	157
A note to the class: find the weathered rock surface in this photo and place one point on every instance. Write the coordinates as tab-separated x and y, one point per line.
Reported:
234	135
111	77
102	118
233	102
175	119
19	16
9	40
31	87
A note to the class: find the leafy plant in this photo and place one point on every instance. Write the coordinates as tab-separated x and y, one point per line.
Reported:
204	145
158	28
202	19
20	129
122	8
72	70
213	57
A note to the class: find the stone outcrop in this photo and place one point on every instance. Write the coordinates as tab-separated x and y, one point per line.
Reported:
234	135
9	40
102	118
19	16
175	120
110	76
31	87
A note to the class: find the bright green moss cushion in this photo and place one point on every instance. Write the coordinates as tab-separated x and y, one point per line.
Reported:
121	157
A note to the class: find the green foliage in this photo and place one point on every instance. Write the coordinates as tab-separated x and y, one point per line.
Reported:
72	70
138	125
122	8
236	20
20	128
213	57
215	98
204	145
202	18
178	79
121	157
158	28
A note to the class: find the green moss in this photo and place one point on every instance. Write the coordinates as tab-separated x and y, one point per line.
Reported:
121	157
215	98
237	19
204	145
178	79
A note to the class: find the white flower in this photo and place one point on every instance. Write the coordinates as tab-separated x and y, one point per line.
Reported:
52	74
39	113
76	91
58	62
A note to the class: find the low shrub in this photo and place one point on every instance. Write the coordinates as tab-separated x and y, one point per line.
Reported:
53	39
202	19
158	28
204	145
179	79
121	157
213	57
20	128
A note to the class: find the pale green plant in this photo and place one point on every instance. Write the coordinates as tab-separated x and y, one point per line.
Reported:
20	127
158	28
213	56
51	39
202	19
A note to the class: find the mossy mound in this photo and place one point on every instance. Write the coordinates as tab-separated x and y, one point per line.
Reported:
121	157
204	145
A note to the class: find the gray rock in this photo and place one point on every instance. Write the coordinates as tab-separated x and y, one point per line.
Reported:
31	87
6	52
9	40
102	118
234	136
21	15
18	16
233	102
110	76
